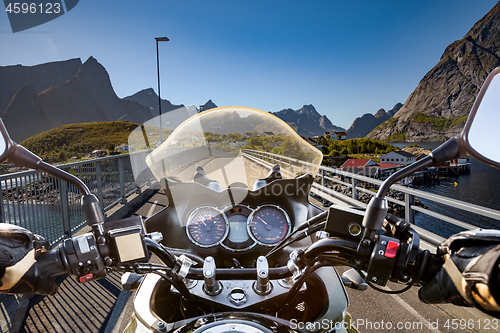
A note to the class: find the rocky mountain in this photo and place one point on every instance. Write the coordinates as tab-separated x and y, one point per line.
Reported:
34	99
41	77
439	106
207	106
366	123
87	96
149	98
307	121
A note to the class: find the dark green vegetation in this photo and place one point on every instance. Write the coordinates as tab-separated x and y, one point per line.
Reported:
440	123
396	137
432	123
354	146
62	143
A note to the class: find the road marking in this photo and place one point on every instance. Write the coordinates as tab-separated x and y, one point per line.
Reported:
152	209
410	309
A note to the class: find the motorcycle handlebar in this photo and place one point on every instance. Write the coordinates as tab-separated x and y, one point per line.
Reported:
337	251
240	273
51	263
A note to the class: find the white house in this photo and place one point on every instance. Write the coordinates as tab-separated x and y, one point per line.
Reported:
398	157
338	135
238	143
124	147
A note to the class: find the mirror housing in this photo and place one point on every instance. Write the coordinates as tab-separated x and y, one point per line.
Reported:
6	143
475	139
481	125
12	152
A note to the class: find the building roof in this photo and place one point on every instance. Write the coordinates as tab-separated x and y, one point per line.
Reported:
355	163
404	153
384	166
340	133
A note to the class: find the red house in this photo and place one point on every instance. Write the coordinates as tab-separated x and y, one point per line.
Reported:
368	167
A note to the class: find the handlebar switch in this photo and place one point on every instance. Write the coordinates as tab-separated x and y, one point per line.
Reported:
383	260
81	258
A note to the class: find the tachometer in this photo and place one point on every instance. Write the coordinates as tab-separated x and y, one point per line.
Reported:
207	226
269	225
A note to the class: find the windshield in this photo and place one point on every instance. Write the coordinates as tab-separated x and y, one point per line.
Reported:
231	144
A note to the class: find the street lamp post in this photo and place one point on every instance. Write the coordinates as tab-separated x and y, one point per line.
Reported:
159	39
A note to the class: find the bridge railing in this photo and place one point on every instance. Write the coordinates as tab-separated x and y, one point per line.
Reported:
328	177
51	207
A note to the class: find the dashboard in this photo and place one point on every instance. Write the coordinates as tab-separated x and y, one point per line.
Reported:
233	224
238	228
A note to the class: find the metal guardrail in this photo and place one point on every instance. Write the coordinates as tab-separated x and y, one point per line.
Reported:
328	175
51	207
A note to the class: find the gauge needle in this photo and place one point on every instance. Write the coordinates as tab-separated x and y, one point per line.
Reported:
262	220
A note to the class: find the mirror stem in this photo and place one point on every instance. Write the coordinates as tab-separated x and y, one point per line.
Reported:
56	172
377	207
23	157
90	205
451	149
412	168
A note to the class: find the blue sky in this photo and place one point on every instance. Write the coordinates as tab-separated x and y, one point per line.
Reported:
346	58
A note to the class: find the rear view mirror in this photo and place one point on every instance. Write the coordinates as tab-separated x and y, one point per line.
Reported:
12	152
5	143
479	134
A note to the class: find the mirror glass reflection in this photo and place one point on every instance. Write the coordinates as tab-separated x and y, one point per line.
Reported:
483	132
3	142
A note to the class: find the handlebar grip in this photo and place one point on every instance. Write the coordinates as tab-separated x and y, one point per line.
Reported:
433	268
51	263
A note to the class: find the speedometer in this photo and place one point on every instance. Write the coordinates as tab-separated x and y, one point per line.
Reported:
269	225
207	226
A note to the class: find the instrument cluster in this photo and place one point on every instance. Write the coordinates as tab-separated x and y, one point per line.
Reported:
238	228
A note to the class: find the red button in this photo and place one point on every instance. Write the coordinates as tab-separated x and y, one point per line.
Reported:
392	249
85	278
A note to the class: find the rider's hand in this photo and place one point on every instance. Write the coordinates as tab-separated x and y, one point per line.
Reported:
19	271
470	274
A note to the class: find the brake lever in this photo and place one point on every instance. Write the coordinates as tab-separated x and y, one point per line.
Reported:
352	279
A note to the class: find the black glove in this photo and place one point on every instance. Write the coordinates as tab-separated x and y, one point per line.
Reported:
470	274
19	271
